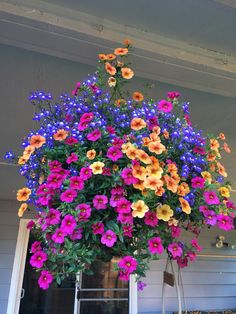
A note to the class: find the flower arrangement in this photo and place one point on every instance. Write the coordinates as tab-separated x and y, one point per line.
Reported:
113	174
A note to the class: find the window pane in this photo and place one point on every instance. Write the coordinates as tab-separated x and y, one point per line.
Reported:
104	307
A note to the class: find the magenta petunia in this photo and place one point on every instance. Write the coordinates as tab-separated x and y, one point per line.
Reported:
77	183
124	275
151	219
54	165
44	189
199	150
211	198
71	141
54	180
123	206
198	182
114	153
77	234
125	218
87	117
68	196
165	106
225	222
30	225
127	231
175	231
192	256
128	263
59	236
72	158
115	198
37	260
203	208
106	171
68	224
83	125
118	142
119	190
94	135
109	238
175	250
36	246
45	279
210	217
110	129
155	245
53	217
182	262
100	202
127	176
86	173
98	228
194	243
173	95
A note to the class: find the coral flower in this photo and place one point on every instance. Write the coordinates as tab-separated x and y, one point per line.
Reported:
37	141
143	156
156	147
211	198
151	219
110	56
131	152
94	135
175	250
226	148
138	124
155	245
45	279
165	106
152	183
164	212
221	170
214	144
171	184
128	263
114	153
137	96
110	69
37	260
22	160
22	209
91	154
102	56
68	196
29	150
127	42
100	202
183	189
159	191
120	102
121	51
139	185
60	135
185	205
109	238
111	81
97	167
139	209
23	194
127	73
139	172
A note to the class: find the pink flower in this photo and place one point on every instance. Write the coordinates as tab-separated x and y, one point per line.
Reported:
123	206
63	172
54	165
175	231
85	211
115	198
128	263
203	209
114	153
45	279
195	244
77	234
151	219
173	95
68	224
198	182
54	180
87	117
44	189
106	171
69	118
224	222
188	120
119	190
127	230
128	177
68	196
175	250
210	216
86	173
165	106
100	201
182	262
76	183
109	238
37	260
124	218
199	150
124	275
44	200
53	217
59	236
94	135
98	228
211	198
30	225
110	130
82	126
152	122
72	158
192	256
155	245
117	142
71	141
36	246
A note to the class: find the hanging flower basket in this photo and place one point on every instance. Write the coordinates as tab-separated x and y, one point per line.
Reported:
113	173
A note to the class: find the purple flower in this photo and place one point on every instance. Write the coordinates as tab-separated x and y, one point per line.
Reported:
77	234
109	238
210	216
141	285
45	279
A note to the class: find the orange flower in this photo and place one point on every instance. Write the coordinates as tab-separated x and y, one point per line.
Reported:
152	183
127	73
110	69
126	146
171	183
110	56
154	171
171	168
28	150
207	176
221	170
111	81
156	130
121	51
222	136
155	162
139	209
22	209
175	177
23	194
166	134
211	156
138	124
37	141
183	189
137	96
143	156
185	205
146	141
139	185
131	152
91	154
120	102
154	137
119	64
60	135
102	56
156	147
127	42
214	144
139	172
212	167
22	160
159	191
226	148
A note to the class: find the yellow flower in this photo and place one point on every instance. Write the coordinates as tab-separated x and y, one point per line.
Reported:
23	194
22	209
139	209
126	146
97	167
164	212
91	154
207	176
111	81
224	191
185	205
